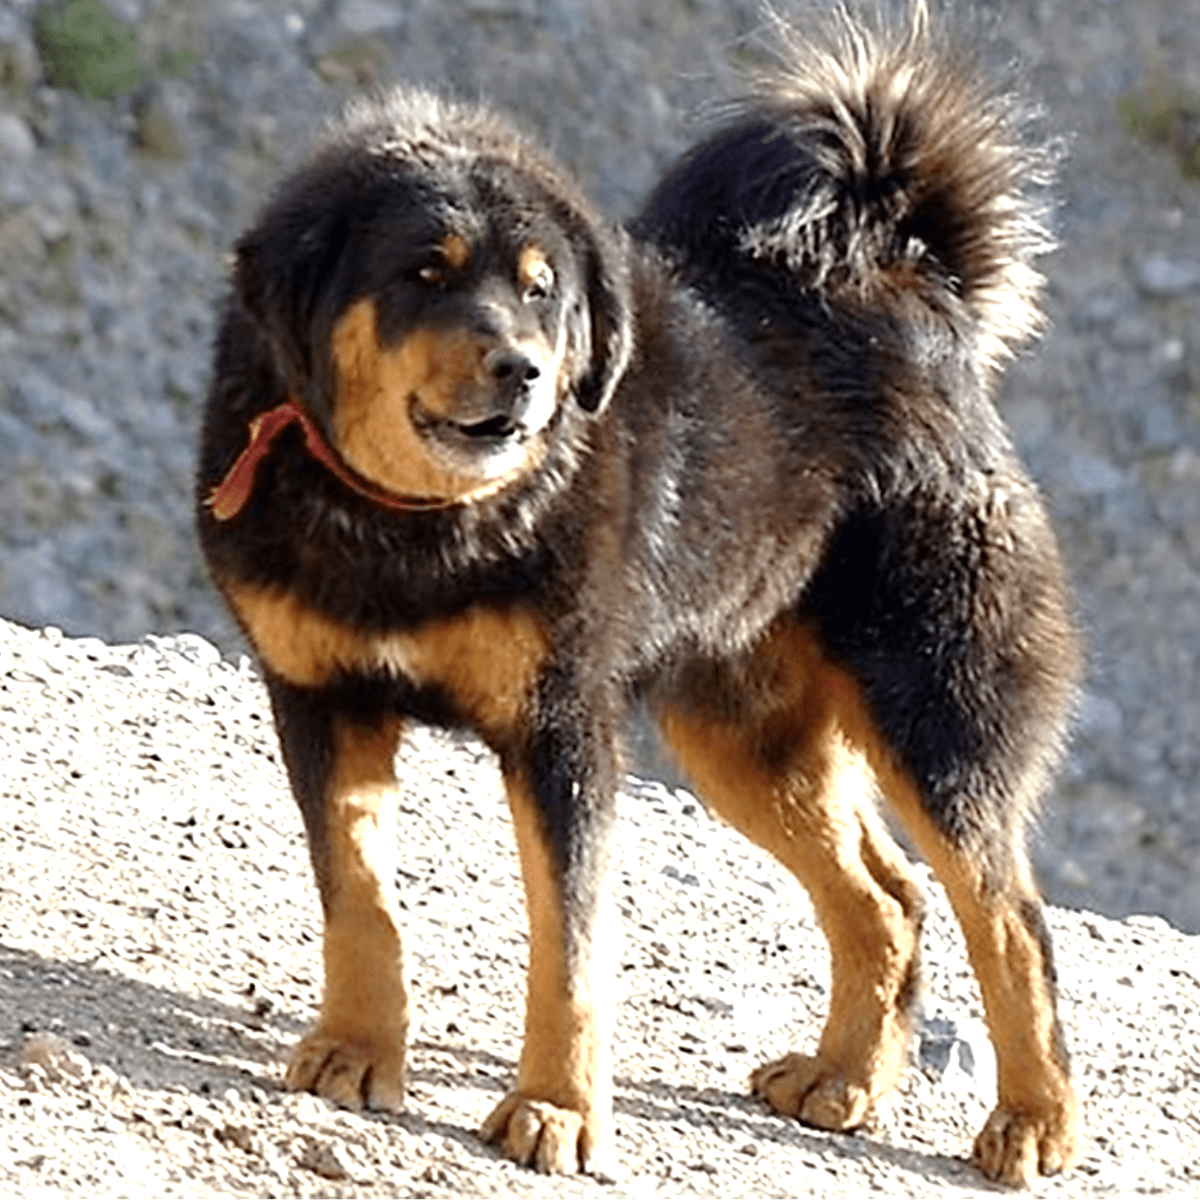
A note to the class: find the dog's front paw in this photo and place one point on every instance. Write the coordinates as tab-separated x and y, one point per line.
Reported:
353	1073
554	1140
1014	1147
801	1086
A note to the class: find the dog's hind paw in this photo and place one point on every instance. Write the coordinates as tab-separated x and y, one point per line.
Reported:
350	1073
800	1086
553	1140
1014	1148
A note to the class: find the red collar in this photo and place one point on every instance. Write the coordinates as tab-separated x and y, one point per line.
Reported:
229	497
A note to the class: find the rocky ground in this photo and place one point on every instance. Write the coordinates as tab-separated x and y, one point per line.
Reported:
159	950
121	190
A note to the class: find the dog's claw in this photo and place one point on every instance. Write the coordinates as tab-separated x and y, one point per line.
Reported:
800	1086
353	1075
1015	1148
553	1140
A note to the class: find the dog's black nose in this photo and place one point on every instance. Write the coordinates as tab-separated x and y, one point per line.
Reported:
512	368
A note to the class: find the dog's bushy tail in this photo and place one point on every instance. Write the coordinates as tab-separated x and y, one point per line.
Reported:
872	151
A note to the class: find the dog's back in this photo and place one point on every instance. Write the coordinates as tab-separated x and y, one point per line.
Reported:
867	222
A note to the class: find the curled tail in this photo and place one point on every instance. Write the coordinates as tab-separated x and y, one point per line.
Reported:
870	153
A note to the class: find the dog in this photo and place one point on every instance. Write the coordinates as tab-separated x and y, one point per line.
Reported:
475	456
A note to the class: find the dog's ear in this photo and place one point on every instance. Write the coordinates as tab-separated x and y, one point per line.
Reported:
282	268
602	325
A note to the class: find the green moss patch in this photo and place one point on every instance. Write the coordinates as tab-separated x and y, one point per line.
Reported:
1165	115
85	48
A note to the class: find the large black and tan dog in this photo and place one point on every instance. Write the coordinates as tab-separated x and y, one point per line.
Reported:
473	456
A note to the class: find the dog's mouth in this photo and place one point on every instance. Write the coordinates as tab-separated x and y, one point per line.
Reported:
490	435
497	428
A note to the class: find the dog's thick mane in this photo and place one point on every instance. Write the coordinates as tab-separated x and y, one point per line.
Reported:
412	124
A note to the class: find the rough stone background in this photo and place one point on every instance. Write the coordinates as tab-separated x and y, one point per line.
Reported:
116	212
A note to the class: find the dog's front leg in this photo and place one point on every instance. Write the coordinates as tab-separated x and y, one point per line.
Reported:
559	1118
341	766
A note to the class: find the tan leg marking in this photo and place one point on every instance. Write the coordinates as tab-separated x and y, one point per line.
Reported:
355	1055
559	1117
488	661
1036	1127
792	781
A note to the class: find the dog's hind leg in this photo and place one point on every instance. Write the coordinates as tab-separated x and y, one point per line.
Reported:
780	768
962	768
1035	1127
959	662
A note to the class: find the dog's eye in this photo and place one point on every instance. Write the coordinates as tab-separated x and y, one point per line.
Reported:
442	264
540	286
434	275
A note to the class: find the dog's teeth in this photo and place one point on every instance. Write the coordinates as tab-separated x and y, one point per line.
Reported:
493	427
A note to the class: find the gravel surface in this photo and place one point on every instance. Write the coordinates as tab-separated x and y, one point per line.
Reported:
160	949
116	215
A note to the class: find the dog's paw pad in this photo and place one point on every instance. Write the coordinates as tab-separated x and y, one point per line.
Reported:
353	1075
553	1140
800	1086
1014	1148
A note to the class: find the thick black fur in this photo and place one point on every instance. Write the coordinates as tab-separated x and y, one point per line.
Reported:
781	412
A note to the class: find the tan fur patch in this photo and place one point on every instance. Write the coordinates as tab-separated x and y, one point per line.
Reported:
565	1065
456	252
376	392
487	661
533	267
372	416
293	640
356	1053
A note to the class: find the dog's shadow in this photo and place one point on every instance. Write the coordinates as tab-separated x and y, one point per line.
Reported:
163	1039
739	1116
156	1037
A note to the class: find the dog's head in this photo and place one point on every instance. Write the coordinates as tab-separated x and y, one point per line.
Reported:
437	293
